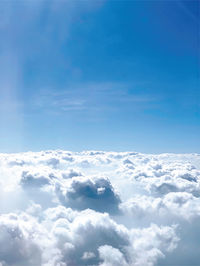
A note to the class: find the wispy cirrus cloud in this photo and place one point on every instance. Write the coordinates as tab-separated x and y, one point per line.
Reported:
94	96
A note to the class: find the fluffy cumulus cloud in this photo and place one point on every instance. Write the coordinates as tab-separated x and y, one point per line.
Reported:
94	193
61	208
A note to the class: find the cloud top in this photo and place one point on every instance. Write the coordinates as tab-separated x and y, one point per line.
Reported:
99	208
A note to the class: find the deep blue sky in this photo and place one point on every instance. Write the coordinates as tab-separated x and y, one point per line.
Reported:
108	75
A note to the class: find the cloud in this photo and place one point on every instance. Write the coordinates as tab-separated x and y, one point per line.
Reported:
86	233
111	256
175	206
22	241
99	208
33	180
81	193
91	96
84	237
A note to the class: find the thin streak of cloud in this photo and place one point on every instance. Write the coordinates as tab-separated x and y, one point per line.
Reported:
92	97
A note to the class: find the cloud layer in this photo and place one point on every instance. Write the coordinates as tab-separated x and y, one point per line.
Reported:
99	208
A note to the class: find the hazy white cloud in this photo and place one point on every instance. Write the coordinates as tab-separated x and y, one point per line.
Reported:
99	208
111	256
25	242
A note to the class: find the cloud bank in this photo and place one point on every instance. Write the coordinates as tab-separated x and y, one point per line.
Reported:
99	208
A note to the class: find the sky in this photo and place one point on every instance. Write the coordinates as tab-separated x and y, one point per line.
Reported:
100	75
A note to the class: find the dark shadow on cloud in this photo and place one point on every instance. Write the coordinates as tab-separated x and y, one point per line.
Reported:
84	193
166	188
31	181
189	177
71	173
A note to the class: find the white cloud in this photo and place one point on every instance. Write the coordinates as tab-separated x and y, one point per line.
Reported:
111	256
177	205
23	241
99	208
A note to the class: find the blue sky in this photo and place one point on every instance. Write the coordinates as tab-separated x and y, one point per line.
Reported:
108	75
